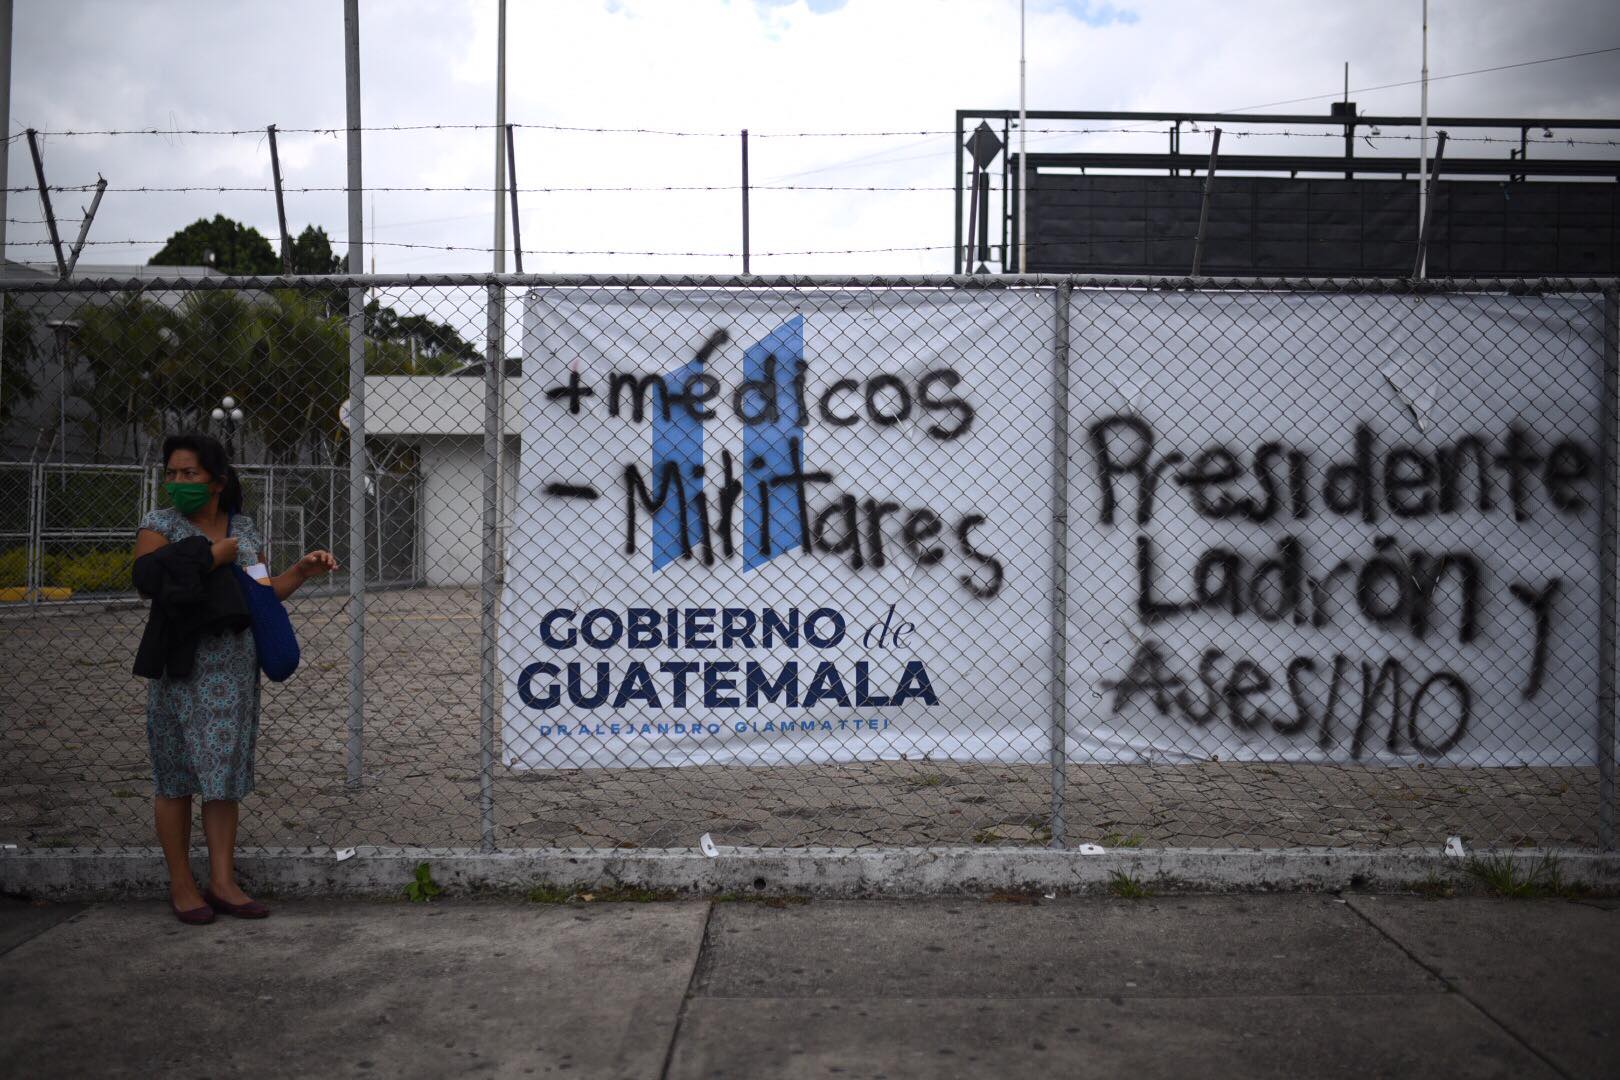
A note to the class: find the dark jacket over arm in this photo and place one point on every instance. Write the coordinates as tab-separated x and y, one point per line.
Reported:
190	598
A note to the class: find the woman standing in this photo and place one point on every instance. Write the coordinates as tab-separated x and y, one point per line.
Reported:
201	727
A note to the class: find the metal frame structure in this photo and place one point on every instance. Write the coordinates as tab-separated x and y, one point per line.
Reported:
1173	162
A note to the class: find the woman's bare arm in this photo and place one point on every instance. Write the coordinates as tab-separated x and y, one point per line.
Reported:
312	565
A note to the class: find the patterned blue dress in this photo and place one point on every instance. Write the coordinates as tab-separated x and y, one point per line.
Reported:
201	729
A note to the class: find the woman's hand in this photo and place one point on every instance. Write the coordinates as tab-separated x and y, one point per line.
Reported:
224	551
315	564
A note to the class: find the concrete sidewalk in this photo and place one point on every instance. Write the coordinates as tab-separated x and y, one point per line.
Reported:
1253	986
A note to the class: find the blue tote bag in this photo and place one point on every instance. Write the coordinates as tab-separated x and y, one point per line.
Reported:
272	629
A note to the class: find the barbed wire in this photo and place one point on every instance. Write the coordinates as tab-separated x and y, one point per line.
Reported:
1333	163
338	243
1164	129
261	188
260	132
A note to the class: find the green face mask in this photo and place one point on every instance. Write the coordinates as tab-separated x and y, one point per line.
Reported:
188	498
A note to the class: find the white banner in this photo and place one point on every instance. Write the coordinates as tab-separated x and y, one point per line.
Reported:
861	569
1334	528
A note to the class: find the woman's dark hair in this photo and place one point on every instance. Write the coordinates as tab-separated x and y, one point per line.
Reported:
211	456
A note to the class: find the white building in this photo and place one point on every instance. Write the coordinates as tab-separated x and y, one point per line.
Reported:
443	417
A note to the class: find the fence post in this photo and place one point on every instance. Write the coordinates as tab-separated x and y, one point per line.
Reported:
269	516
494	369
34	576
357	409
1606	574
1060	559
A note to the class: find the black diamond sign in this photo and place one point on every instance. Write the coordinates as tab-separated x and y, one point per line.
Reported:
983	145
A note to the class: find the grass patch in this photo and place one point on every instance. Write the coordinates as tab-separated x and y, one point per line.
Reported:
422	887
931	780
1115	839
1126	887
1507	877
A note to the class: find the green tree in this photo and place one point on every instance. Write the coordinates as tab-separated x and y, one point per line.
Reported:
225	245
299	378
431	348
127	349
21	352
312	253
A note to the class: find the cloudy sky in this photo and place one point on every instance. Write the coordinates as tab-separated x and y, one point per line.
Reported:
710	67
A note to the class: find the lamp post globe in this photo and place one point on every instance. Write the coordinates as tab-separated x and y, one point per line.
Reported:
228	415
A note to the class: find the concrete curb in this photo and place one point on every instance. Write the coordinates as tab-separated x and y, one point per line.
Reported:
383	872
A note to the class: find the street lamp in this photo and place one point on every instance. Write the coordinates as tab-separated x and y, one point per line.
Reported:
228	414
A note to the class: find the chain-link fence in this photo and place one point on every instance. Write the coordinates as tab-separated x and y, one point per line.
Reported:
64	537
847	562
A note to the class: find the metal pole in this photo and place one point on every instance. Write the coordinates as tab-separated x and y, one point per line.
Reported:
984	221
511	172
281	205
488	590
500	138
357	405
1349	128
956	263
494	369
5	163
1023	137
1423	143
35	577
84	226
1203	209
1009	229
973	214
1420	267
745	198
1058	718
1607	523
378	481
270	506
45	201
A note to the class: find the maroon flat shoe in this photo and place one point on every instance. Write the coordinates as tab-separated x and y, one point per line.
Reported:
197	916
250	910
